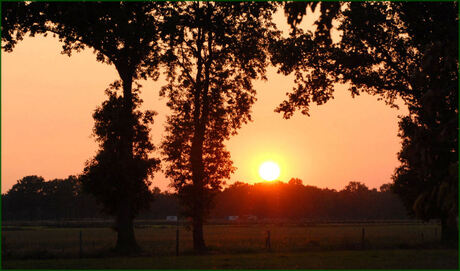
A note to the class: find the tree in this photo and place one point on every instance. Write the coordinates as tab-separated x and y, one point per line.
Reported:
356	187
297	201
33	198
106	174
122	34
428	176
386	187
28	191
391	50
295	181
59	196
215	51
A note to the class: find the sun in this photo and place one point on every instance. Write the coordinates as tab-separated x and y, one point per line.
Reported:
269	171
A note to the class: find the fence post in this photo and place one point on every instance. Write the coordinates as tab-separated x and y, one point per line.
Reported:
3	245
177	242
362	238
80	253
268	243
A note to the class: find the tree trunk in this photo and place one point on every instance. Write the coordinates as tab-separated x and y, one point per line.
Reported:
198	191
198	238
126	241
198	194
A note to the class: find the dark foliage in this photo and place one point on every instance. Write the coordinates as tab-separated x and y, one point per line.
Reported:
296	201
31	198
120	181
34	199
105	175
389	49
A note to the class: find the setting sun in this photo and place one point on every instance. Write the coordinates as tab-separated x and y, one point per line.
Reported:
269	171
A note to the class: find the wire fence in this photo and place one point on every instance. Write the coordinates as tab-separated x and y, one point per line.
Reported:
71	242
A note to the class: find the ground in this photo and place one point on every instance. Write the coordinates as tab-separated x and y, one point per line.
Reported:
377	245
343	259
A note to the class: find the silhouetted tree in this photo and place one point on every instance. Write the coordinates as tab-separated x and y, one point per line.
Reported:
107	173
386	187
389	49
215	51
278	200
122	34
33	198
59	196
428	176
356	187
28	191
295	181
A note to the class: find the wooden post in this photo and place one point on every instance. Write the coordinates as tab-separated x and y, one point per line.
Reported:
177	237
268	243
3	245
177	242
80	253
362	238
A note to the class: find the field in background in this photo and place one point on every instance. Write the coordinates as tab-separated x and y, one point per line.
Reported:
38	242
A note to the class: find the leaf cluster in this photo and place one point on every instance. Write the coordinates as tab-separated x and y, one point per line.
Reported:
124	34
105	175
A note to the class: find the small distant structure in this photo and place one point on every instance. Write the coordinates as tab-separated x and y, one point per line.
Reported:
251	218
233	218
171	218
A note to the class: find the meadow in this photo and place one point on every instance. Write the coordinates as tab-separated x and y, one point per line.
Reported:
64	242
337	259
232	246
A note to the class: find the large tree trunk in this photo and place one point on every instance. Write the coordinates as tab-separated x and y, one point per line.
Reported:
200	119
198	204
198	238
198	190
126	241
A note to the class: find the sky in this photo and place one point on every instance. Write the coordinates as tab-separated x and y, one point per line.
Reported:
47	101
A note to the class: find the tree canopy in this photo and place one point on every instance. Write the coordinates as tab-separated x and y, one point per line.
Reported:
393	50
123	34
105	174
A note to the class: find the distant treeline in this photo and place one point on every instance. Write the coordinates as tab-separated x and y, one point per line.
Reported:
33	198
294	200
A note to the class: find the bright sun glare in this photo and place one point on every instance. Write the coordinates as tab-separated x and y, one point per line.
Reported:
269	171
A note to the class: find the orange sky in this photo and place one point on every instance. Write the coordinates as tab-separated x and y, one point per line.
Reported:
48	100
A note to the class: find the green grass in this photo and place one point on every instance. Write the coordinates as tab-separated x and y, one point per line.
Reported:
371	259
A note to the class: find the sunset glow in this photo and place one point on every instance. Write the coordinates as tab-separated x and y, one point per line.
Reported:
57	145
269	171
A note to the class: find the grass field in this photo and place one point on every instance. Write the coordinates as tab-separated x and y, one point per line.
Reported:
48	242
369	259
